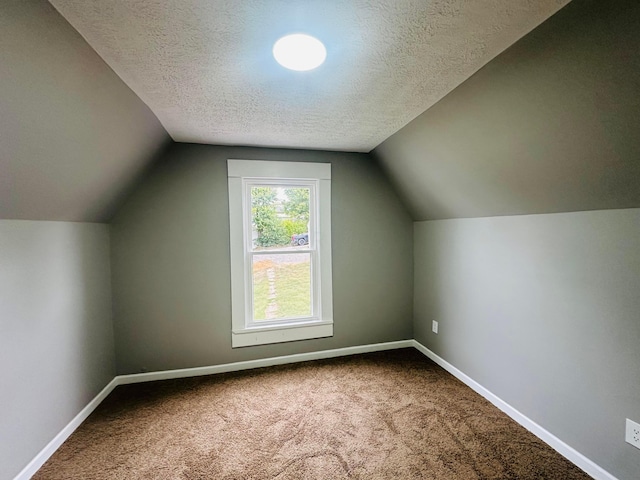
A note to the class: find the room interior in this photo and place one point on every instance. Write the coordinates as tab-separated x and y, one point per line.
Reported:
485	175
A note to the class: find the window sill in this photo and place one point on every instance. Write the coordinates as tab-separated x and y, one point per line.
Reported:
280	333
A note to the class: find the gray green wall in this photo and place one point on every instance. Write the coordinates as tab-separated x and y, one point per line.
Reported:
171	272
542	310
56	334
550	125
73	136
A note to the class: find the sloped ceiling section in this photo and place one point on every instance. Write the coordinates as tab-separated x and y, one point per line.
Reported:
206	70
73	136
550	125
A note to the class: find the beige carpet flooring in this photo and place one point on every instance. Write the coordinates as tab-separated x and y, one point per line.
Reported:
374	416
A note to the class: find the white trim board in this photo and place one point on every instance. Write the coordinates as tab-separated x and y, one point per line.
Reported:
243	175
34	465
565	450
263	362
547	437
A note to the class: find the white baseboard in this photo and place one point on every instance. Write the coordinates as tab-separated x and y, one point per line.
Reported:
39	460
554	442
34	465
568	452
263	362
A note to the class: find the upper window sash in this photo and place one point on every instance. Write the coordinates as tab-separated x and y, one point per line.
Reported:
247	183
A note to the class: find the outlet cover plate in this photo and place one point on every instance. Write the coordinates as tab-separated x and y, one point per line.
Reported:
632	433
434	326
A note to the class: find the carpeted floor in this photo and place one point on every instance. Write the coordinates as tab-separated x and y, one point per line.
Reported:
375	416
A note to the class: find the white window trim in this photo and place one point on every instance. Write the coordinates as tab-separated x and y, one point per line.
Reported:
242	173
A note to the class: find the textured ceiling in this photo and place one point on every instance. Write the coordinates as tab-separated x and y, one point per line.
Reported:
205	67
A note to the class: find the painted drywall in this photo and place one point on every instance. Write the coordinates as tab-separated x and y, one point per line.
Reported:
542	310
56	334
550	125
73	136
171	270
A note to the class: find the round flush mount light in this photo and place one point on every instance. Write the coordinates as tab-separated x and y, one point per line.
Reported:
299	52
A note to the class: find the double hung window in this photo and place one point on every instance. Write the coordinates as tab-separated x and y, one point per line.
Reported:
280	232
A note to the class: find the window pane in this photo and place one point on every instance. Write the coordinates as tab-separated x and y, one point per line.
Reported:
281	286
279	217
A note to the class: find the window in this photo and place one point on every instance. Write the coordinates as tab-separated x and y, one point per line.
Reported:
280	233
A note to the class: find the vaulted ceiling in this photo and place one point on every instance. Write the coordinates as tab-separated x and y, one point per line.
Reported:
73	136
206	70
550	125
472	108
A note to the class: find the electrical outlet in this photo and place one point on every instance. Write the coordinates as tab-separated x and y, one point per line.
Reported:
434	326
632	433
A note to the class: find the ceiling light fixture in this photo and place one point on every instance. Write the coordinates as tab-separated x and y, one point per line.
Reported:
299	52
